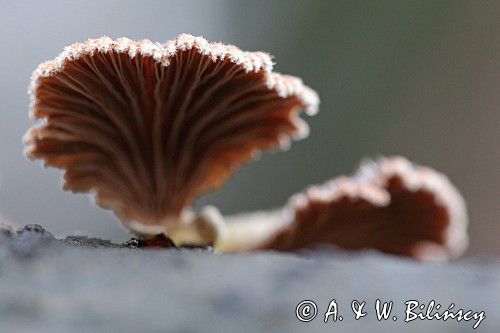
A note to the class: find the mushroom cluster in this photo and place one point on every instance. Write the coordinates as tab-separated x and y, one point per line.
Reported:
147	128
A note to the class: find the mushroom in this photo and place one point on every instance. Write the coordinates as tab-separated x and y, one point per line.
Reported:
390	205
148	128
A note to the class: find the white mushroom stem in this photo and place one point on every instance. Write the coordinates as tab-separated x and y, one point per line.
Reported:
202	229
247	232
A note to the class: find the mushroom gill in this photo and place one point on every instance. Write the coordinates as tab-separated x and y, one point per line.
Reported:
390	205
147	128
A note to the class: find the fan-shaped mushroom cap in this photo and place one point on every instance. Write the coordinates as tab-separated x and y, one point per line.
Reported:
148	127
390	205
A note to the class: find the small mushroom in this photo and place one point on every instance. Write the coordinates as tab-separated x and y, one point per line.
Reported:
147	128
390	205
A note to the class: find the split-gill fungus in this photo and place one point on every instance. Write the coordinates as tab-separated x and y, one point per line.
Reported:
148	127
390	205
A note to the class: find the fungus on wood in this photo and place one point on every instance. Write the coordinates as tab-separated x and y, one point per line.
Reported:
148	127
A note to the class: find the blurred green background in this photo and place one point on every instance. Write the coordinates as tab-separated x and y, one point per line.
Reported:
416	78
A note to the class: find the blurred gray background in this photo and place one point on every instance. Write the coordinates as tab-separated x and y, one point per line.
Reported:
417	78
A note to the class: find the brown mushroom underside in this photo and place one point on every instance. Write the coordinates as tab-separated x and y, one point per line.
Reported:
149	138
399	213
